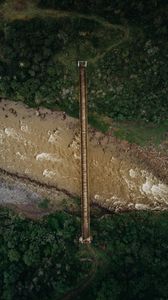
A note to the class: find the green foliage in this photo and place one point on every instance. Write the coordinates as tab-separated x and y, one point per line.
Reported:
41	260
135	80
38	259
128	8
136	246
44	203
96	122
141	133
129	81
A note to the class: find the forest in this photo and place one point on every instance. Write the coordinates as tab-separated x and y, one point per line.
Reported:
43	259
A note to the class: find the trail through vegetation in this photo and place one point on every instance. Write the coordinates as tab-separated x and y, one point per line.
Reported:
43	259
12	15
127	61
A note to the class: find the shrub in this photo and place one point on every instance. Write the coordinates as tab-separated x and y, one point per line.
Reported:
137	259
37	259
39	55
42	259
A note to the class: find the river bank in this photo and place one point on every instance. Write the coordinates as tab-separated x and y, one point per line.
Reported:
44	147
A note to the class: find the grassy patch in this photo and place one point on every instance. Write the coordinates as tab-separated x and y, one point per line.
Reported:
97	122
141	133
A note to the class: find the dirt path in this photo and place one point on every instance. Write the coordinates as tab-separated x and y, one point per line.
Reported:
84	284
31	11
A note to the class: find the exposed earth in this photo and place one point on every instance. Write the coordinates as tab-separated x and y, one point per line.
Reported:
44	146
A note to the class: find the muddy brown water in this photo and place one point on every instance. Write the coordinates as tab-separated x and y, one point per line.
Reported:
45	146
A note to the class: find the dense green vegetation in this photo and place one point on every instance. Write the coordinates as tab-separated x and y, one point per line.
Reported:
38	259
41	259
127	72
128	8
136	247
